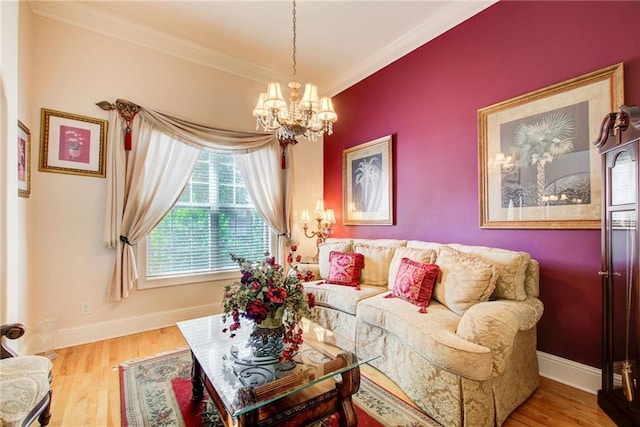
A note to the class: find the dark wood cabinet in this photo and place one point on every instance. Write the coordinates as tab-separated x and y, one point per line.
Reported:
619	143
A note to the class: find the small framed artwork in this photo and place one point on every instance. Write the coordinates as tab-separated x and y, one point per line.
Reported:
538	165
72	144
24	160
368	183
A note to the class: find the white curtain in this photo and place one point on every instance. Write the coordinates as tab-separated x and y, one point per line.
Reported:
265	180
145	182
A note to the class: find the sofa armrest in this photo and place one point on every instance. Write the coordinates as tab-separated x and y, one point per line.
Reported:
494	324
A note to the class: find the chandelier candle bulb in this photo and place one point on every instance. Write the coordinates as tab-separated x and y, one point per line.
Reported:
326	112
310	99
330	217
304	217
274	99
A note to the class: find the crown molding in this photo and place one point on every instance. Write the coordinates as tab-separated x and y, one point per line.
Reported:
92	19
430	29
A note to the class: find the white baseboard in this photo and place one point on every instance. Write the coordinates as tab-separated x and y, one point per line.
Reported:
574	374
67	337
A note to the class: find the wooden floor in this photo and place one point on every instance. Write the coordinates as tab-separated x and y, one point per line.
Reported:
86	388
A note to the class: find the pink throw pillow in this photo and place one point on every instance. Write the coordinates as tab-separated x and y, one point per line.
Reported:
415	282
344	268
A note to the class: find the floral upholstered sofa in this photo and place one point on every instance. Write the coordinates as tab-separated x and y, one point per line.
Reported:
469	357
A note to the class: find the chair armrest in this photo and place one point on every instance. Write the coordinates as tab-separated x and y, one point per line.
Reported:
11	331
494	324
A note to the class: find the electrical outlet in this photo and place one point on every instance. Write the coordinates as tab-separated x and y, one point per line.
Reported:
85	308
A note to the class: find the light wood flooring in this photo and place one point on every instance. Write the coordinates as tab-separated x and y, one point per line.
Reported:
86	388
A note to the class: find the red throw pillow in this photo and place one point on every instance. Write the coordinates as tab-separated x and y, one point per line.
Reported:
415	282
344	268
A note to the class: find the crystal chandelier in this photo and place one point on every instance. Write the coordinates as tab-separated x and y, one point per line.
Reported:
310	116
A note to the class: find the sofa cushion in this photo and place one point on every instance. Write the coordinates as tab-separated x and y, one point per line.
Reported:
426	256
376	263
466	280
414	282
431	335
512	268
419	244
339	297
325	248
345	268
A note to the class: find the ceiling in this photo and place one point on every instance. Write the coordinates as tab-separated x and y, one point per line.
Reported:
338	42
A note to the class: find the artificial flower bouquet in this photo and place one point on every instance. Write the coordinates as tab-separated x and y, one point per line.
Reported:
270	296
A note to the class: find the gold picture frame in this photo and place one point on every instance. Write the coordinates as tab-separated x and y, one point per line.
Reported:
72	144
24	160
538	166
368	183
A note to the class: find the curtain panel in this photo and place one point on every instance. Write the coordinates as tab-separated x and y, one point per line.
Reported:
146	181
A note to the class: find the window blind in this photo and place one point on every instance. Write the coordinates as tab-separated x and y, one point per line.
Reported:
213	218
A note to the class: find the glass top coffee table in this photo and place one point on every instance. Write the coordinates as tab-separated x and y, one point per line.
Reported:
250	391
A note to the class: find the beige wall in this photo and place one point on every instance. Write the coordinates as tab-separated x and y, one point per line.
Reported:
67	263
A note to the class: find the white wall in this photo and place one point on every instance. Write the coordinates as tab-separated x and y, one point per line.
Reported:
68	264
9	291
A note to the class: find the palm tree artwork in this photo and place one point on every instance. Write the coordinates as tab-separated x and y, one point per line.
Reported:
368	190
539	143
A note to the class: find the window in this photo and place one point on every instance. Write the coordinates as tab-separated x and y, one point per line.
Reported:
213	218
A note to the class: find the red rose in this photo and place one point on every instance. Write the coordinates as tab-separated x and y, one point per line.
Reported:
294	248
277	295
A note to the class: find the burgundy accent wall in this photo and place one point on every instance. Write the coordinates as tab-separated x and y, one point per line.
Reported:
429	101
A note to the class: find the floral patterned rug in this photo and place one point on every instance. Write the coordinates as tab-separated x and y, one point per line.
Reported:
156	391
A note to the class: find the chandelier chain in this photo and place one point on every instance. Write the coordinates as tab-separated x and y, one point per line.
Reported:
294	40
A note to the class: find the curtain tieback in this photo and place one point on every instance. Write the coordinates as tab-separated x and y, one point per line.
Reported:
125	240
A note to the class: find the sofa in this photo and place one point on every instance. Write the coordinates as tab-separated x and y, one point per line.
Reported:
469	357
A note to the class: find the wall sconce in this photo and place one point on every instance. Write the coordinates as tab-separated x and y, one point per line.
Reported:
324	218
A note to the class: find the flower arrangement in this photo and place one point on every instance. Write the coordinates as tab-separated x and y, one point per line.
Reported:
269	295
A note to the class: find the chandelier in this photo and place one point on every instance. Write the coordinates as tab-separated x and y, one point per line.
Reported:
310	116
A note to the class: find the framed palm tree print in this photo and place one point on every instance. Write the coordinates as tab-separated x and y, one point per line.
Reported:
368	183
538	166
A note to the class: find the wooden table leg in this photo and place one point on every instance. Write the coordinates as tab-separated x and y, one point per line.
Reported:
196	379
349	386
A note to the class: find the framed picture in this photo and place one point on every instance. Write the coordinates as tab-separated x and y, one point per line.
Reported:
538	165
72	144
24	160
368	183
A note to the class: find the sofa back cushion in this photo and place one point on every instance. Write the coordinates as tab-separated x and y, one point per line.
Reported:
465	280
325	248
376	263
426	256
512	266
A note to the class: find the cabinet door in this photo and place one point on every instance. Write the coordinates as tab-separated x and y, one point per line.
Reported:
622	282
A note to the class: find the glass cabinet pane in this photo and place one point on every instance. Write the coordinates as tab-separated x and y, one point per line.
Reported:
623	280
623	180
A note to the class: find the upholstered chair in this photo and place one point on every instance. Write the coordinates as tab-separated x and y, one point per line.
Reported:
25	384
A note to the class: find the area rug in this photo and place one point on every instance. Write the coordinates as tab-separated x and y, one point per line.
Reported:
156	391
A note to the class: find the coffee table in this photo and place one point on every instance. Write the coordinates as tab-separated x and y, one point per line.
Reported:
248	392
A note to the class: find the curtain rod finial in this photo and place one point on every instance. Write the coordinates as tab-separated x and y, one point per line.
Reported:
105	105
